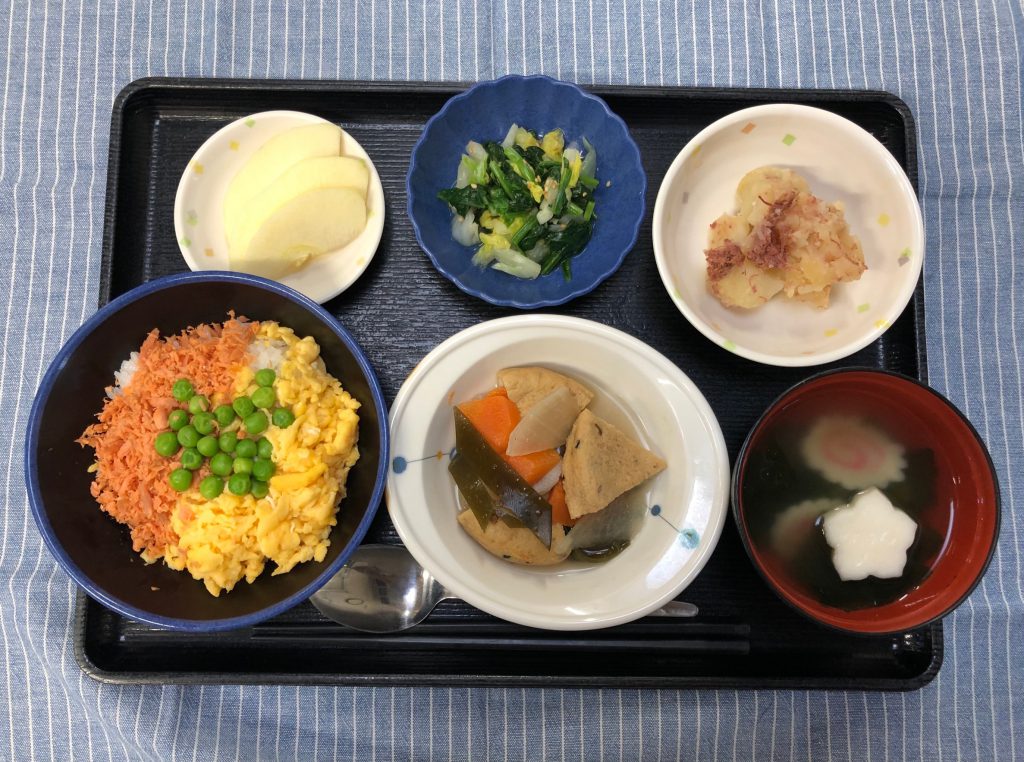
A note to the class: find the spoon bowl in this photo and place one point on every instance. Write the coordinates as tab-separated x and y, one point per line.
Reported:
381	589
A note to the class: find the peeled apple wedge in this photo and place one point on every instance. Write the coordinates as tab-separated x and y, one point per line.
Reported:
274	157
309	225
296	180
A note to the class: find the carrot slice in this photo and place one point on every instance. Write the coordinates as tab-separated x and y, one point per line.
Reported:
498	391
533	466
559	509
494	417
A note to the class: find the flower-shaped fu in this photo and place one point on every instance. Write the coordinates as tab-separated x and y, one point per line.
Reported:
869	537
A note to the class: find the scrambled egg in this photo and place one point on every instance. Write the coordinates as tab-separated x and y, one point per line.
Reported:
224	540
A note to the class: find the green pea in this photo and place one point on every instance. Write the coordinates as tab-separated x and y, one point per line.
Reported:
166	443
239	484
203	422
225	415
191	459
243	406
259	490
262	470
211	487
180	479
198	404
221	463
283	418
188	436
266	377
256	423
176	419
228	441
242	466
208	446
182	390
264	397
263	448
246	448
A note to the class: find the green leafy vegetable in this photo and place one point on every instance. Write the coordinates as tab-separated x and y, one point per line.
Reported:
464	199
495	152
534	155
519	164
529	232
572	239
563	186
566	243
519	198
531	199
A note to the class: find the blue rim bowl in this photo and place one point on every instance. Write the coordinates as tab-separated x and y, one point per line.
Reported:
95	550
485	112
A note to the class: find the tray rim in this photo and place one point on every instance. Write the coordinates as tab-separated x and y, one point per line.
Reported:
483	680
139	87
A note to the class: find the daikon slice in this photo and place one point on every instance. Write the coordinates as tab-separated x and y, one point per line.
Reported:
545	425
549	480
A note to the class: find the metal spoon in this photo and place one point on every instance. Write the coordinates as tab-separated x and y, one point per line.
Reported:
383	589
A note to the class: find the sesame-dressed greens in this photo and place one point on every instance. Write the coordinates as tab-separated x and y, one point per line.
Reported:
526	202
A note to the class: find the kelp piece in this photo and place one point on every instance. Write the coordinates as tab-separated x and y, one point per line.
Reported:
513	494
479	499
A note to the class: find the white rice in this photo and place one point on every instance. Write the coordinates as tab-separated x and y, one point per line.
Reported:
267	353
123	375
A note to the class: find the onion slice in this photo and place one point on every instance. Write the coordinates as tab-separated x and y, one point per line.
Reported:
546	425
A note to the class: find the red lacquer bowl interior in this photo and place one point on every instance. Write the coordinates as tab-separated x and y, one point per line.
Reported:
967	496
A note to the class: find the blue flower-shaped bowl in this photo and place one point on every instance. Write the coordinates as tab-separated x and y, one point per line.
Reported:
96	551
538	103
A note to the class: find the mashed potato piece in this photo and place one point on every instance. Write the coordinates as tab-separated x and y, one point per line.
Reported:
782	240
231	537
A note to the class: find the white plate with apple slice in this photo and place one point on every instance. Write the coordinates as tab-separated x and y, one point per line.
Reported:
308	179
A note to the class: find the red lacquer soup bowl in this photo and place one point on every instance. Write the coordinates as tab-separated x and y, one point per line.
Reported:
929	460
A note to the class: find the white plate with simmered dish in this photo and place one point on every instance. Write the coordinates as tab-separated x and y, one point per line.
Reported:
285	183
640	401
788	235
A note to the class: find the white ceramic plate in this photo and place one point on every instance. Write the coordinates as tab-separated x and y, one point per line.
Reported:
685	504
841	162
199	216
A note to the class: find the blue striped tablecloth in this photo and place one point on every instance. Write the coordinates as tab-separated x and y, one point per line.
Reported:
958	65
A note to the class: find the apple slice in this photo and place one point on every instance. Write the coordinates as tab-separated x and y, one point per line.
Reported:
311	224
306	175
274	157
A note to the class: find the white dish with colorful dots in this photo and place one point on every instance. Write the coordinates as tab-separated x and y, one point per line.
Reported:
684	506
841	162
198	205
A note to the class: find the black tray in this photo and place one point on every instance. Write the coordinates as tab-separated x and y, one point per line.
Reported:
399	310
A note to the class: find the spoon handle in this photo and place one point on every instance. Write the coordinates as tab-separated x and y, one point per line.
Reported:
676	609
